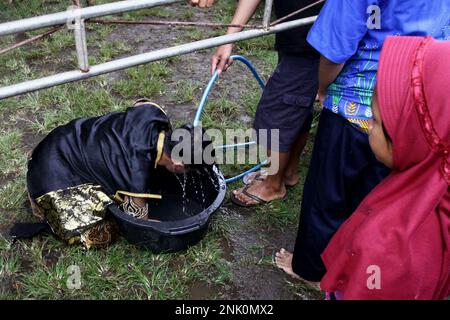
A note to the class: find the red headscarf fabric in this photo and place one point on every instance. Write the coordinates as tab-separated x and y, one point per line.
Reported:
401	231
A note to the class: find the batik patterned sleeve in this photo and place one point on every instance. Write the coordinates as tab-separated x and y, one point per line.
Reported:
339	28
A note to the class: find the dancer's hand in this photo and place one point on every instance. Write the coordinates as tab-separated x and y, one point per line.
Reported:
221	58
202	3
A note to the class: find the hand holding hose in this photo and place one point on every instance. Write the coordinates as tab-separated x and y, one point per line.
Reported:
244	11
221	59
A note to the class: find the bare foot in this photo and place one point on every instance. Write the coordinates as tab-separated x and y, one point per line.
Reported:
283	260
262	190
259	175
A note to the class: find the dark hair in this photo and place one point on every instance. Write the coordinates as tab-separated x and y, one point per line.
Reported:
195	139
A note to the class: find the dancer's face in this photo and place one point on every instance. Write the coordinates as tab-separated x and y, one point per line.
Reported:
381	144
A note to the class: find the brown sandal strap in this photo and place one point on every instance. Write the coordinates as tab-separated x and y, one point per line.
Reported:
252	196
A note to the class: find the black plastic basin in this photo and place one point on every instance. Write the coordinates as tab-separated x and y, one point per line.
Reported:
184	214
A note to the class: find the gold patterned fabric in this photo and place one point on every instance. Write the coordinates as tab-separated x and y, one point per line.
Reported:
77	215
363	125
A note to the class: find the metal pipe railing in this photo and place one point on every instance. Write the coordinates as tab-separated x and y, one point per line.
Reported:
139	59
267	14
81	44
82	13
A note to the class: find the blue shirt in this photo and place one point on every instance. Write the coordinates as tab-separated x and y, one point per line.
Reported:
353	32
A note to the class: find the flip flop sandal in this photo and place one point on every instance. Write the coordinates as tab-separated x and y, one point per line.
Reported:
244	191
260	176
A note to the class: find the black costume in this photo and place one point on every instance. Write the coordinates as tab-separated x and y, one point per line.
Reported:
76	171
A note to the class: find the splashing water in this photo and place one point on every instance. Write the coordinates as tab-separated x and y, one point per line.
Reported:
183	187
193	182
201	186
208	172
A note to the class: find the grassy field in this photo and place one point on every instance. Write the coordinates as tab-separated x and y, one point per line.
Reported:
238	244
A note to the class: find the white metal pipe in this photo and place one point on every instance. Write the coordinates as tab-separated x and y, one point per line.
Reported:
267	14
139	59
84	13
81	45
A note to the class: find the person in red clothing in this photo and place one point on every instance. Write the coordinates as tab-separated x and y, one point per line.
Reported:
396	245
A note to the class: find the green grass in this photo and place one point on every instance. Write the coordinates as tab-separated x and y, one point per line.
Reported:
13	194
27	8
186	91
250	101
37	269
68	102
195	34
189	14
156	12
121	272
110	50
11	155
143	81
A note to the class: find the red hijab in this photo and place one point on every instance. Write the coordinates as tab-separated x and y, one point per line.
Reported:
401	231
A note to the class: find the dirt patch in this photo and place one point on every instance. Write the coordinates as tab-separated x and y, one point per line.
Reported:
4	228
8	285
6	178
26	264
254	274
227	249
201	290
51	257
30	140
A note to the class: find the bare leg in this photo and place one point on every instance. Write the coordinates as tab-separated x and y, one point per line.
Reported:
291	176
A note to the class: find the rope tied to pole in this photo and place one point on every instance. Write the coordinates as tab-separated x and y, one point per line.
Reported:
296	13
30	40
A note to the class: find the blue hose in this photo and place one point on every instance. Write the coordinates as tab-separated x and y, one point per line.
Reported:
243	174
204	99
252	68
202	103
213	80
238	145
